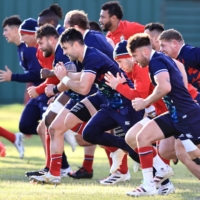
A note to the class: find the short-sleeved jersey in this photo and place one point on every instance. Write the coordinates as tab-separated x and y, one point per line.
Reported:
30	65
124	30
98	41
190	57
99	64
178	101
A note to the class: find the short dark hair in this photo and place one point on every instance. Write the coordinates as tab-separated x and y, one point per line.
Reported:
79	18
95	26
53	10
71	35
46	30
171	34
114	8
155	27
138	40
13	20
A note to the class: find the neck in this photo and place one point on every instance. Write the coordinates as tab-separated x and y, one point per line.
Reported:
17	41
81	52
114	26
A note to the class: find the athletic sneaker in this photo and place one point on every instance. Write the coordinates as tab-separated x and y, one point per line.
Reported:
81	173
69	138
37	173
162	175
117	177
2	150
46	178
136	166
19	144
166	189
64	172
117	157
143	190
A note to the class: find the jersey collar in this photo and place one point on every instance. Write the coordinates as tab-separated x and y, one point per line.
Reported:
84	51
85	33
180	49
152	52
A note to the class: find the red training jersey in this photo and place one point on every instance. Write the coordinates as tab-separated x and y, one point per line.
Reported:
125	30
45	63
140	78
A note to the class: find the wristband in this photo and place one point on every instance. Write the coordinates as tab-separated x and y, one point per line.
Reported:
65	80
55	89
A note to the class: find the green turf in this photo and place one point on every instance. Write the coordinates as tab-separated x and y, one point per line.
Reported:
14	185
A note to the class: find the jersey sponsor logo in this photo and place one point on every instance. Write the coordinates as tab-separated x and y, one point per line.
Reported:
127	123
189	135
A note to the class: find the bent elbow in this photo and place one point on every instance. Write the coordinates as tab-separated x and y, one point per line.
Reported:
85	91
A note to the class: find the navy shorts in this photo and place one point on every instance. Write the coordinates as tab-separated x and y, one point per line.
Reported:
70	104
188	128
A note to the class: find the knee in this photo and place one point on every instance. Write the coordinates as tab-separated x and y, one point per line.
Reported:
48	119
130	140
24	127
87	134
41	129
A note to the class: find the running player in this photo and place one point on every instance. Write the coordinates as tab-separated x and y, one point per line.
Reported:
170	85
29	62
111	20
114	106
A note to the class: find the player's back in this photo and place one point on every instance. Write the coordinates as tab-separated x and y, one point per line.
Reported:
98	40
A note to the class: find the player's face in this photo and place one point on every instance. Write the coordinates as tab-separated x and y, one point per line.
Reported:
29	40
69	50
167	47
9	32
105	20
125	64
44	46
138	56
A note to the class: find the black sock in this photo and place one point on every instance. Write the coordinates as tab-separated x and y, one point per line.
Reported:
65	164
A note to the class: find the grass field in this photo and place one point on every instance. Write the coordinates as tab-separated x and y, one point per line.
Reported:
14	185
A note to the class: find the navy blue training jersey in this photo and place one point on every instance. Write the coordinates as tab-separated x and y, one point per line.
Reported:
99	64
98	41
60	29
190	57
30	65
178	101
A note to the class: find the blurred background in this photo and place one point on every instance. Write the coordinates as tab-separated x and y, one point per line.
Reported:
182	15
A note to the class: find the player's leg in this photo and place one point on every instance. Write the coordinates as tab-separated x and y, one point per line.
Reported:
150	133
16	139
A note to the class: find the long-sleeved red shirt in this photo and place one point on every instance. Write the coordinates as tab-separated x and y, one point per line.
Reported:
45	63
140	78
125	30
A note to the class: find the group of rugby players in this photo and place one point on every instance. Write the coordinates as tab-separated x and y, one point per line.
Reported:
133	92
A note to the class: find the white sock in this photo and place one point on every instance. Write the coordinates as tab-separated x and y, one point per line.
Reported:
158	163
148	176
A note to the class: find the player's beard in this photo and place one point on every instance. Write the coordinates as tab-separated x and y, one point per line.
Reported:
48	51
72	58
107	26
143	62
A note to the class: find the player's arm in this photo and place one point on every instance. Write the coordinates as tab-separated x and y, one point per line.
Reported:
75	76
163	87
33	72
183	72
83	86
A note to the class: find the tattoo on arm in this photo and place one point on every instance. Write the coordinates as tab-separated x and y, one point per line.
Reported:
158	93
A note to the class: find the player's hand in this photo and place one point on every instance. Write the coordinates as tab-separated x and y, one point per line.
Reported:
51	100
49	90
46	73
60	71
114	81
5	75
139	104
32	92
